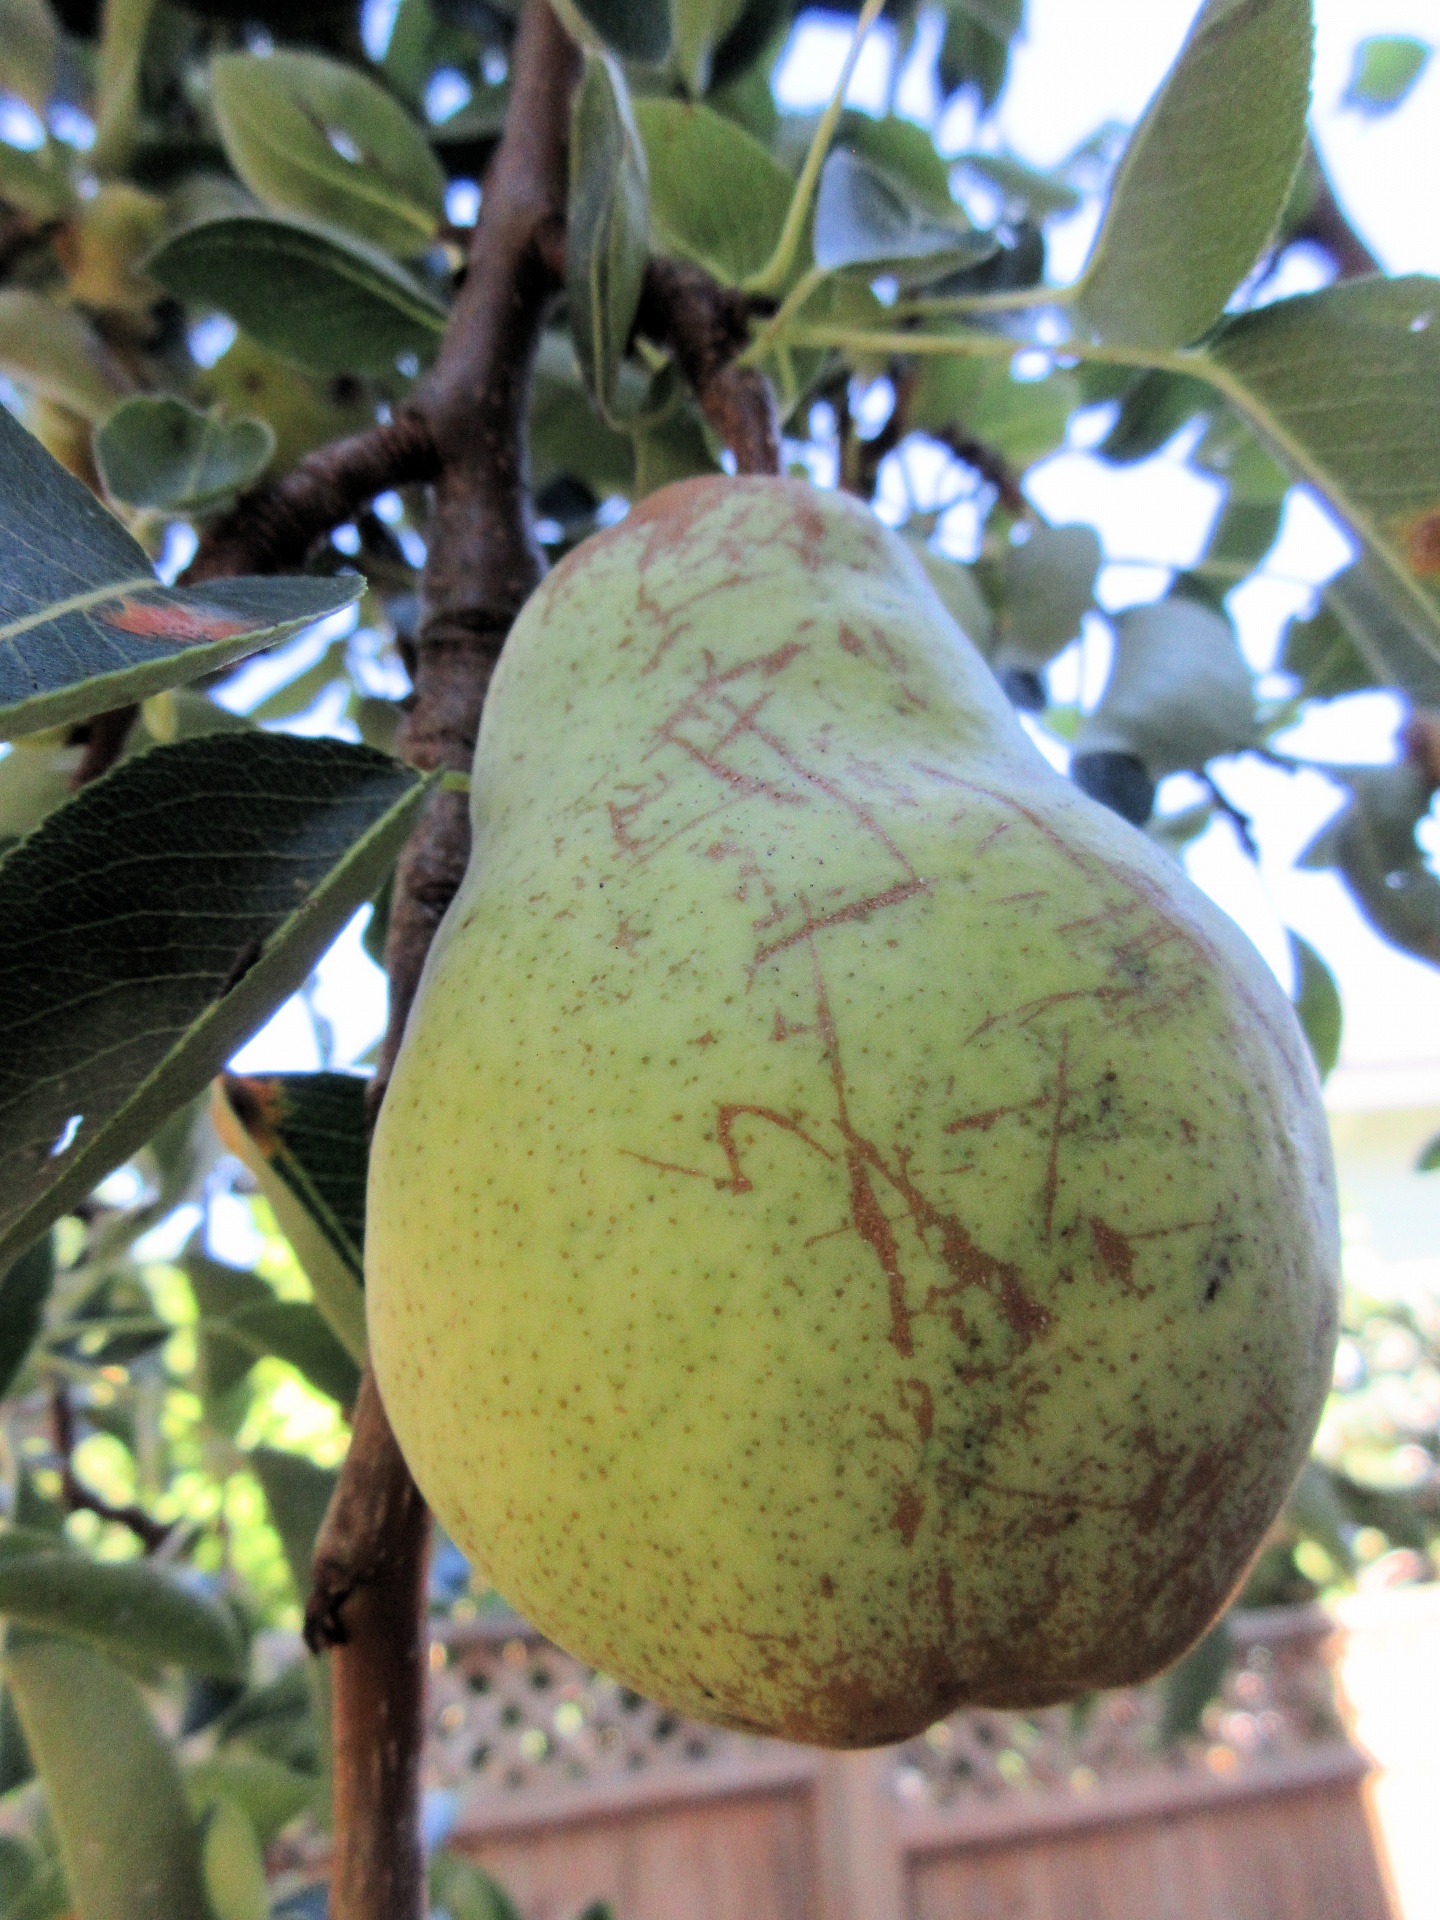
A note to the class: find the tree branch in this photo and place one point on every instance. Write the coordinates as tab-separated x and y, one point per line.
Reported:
76	1497
706	325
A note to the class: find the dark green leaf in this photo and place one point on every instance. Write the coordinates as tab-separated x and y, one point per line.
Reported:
1179	692
699	28
23	1294
466	1892
1371	842
1205	176
1022	188
1049	588
903	150
567	435
1386	67
242	1321
866	217
305	1136
1190	1687
84	624
153	923
674	448
976	48
1429	1159
608	229
320	298
1317	1003
130	1609
689	150
129	1846
1151	412
159	452
36	182
1345	384
1323	657
315	137
297	1493
634	29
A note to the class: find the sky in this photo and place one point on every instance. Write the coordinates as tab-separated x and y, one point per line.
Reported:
1080	65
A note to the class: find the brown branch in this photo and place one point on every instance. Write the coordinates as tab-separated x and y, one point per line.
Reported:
76	1497
103	738
706	325
990	465
274	526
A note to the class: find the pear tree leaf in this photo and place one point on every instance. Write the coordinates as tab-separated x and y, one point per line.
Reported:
1023	188
1387	644
305	1137
1345	386
242	1320
690	150
867	217
29	44
269	1793
157	451
1371	844
1429	1160
1049	588
1321	655
153	923
1317	1004
129	1846
23	1293
322	299
1387	65
321	139
700	28
53	351
1190	1685
976	48
130	1609
1179	692
1205	176
608	230
639	30
233	1865
465	1891
85	625
903	150
297	1493
36	180
1153	411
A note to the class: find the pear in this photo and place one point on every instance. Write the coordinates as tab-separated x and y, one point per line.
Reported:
852	1231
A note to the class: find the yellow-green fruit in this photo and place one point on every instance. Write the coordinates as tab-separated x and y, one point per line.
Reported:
852	1230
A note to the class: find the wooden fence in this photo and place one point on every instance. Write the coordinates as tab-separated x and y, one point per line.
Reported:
570	1790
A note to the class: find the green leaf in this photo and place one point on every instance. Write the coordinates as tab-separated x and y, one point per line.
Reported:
976	48
242	1321
156	451
1151	412
1189	1687
466	1892
1024	189
152	924
959	595
23	1294
1371	843
233	1865
1179	692
637	30
903	150
128	1843
84	624
1429	1160
1323	657
608	230
1345	385
1317	1004
1049	588
297	1493
35	180
567	435
1205	176
130	1609
315	137
269	1793
305	1137
689	149
700	26
672	448
866	217
29	43
1386	68
320	298
53	351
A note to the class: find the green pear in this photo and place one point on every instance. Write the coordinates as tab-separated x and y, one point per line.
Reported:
852	1231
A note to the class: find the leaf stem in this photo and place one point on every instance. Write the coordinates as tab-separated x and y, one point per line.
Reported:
776	271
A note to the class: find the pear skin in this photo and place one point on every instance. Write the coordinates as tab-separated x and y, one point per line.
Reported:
852	1230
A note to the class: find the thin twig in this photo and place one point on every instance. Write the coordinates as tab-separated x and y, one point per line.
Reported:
76	1497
